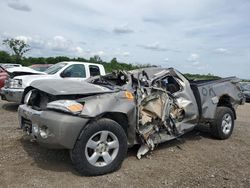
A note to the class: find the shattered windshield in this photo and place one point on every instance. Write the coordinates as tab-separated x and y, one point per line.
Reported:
55	68
112	80
120	79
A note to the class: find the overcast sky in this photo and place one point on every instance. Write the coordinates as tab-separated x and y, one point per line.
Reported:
196	36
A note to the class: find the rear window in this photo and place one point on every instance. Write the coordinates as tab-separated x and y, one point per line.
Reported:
94	70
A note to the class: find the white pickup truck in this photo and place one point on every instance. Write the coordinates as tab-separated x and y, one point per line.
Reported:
78	71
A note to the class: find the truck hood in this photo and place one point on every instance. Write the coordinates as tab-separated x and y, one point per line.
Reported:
27	79
18	71
68	87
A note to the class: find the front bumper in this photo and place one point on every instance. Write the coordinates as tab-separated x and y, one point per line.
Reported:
62	129
12	95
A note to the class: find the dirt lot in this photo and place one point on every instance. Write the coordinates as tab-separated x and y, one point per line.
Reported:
196	160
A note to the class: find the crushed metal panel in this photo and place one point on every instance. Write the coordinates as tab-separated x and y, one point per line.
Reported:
163	116
158	114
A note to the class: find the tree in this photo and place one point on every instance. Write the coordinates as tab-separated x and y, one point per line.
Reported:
95	59
5	57
114	60
18	47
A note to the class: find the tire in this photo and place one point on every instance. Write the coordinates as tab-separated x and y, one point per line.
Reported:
100	149
223	124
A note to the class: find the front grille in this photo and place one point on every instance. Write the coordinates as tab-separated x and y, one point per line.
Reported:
26	125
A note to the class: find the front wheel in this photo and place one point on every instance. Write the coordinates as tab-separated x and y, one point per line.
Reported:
223	124
101	148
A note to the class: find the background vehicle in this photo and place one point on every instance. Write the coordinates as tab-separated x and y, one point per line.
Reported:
77	71
9	65
97	120
40	67
3	76
20	71
15	71
246	90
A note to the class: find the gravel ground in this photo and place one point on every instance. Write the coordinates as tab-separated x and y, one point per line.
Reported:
195	160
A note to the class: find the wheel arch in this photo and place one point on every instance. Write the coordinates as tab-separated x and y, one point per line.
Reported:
118	117
26	90
226	101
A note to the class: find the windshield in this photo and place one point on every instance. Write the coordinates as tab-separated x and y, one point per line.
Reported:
55	68
38	68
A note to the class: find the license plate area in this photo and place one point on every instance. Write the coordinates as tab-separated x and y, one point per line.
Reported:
27	126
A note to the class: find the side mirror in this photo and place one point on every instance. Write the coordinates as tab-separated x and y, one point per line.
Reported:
65	74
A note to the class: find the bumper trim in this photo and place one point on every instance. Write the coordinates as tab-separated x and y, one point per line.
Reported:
63	129
12	95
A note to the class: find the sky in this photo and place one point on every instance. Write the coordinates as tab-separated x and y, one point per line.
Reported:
193	36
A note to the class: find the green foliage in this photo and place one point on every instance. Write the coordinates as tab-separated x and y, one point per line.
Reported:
95	59
201	77
244	80
18	47
109	66
5	57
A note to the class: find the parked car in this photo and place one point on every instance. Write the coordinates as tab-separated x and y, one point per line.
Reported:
20	71
78	71
15	71
99	119
40	67
9	65
3	76
246	90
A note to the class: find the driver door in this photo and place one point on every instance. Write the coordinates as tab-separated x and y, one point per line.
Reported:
185	99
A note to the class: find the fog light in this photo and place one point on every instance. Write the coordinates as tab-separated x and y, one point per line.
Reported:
35	129
44	132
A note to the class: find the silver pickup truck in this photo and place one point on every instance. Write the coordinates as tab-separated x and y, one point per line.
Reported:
99	119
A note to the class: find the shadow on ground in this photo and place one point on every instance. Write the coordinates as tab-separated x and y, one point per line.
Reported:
48	159
200	132
59	160
11	107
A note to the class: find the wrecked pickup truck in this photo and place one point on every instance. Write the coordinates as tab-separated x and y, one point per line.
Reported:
99	119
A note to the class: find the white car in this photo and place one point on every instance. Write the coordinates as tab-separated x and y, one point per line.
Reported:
19	71
78	71
9	65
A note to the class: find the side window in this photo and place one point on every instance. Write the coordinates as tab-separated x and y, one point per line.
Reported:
74	71
170	84
94	70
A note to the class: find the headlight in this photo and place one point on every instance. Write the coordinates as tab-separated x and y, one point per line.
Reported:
70	106
13	83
